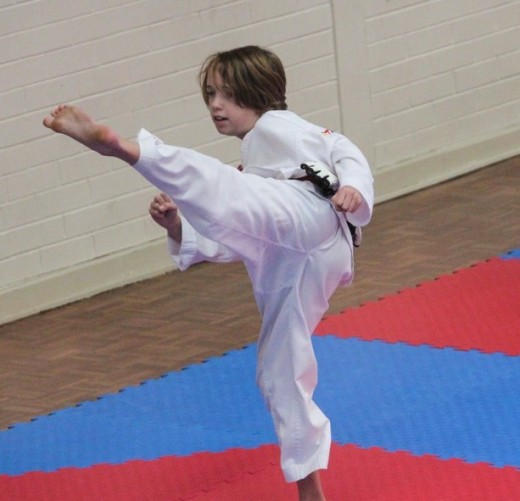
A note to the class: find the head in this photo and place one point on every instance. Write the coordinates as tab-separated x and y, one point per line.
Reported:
251	78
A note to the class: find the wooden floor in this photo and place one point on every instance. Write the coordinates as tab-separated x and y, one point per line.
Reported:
119	338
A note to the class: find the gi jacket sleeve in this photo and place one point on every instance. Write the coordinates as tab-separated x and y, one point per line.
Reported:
194	248
349	164
353	170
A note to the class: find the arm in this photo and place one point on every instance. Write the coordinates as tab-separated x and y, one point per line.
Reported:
356	192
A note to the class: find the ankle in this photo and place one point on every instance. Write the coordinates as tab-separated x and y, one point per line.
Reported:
309	488
111	144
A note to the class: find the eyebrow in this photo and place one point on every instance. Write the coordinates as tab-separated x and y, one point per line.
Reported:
225	89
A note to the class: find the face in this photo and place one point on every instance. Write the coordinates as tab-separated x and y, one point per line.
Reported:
229	118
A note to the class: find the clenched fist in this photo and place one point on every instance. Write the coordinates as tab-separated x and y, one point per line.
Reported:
347	199
166	214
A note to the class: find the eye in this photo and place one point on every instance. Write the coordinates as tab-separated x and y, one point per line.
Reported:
228	92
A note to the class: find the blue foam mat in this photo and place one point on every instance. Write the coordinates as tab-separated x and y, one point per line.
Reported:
512	254
421	399
445	402
204	407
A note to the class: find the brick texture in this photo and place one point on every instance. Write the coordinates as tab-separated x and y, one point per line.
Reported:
439	72
436	68
132	64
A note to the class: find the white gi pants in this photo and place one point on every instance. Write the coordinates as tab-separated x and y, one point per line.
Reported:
296	253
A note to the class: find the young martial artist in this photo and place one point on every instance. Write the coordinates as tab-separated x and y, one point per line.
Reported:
293	238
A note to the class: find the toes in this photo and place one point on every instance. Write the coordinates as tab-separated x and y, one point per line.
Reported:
59	110
47	121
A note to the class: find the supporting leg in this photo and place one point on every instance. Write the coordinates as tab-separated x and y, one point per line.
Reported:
309	488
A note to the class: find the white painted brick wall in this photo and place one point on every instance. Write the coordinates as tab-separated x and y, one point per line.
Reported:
131	63
423	76
435	72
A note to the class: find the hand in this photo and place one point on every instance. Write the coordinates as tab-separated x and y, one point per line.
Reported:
347	199
166	214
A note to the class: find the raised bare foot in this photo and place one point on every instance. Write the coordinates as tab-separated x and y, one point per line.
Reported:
78	125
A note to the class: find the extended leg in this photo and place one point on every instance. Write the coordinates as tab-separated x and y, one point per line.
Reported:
244	212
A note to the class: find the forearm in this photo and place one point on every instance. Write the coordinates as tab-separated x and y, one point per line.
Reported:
175	230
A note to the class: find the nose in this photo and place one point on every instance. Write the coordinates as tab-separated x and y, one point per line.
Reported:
215	103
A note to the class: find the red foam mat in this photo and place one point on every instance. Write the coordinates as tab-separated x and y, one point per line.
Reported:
376	475
165	479
460	310
254	475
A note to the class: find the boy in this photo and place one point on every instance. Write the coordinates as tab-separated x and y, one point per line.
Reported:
293	240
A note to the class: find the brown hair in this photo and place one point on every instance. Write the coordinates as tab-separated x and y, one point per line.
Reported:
253	76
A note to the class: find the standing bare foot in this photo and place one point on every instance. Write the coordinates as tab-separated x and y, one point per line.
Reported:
309	488
78	125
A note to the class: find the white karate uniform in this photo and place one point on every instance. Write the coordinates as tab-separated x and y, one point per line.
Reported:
295	246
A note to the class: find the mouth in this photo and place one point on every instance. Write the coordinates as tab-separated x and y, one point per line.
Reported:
219	119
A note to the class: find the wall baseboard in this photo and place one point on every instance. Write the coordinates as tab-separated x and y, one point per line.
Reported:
152	259
86	280
418	173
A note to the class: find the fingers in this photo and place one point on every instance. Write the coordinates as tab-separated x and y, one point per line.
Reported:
162	197
165	213
162	207
347	199
162	203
